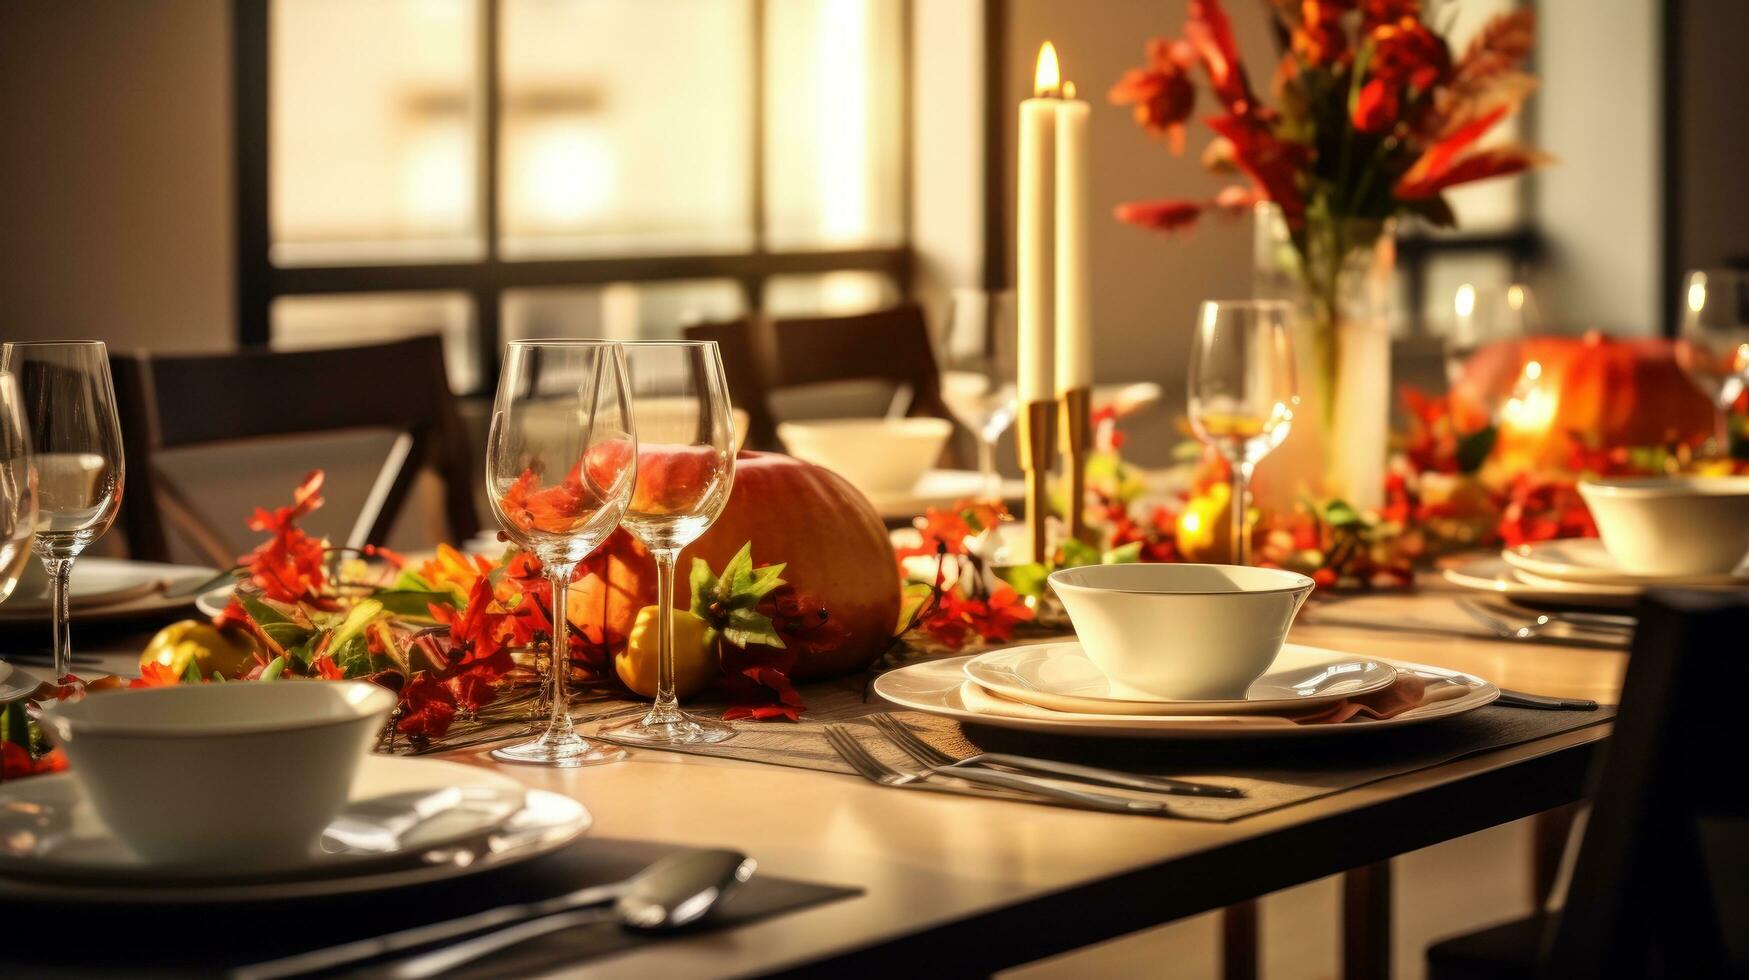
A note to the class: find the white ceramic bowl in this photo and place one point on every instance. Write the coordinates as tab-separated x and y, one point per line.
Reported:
875	455
1181	631
1674	525
242	772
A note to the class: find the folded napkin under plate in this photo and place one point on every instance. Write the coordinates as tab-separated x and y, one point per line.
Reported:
1422	693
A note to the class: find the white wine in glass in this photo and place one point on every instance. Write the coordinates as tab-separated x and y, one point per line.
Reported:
686	468
69	407
1712	342
561	461
1243	392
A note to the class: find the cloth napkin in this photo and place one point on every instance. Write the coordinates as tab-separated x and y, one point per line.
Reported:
1409	690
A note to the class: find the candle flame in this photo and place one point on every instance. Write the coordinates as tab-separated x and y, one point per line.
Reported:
1068	90
1047	78
1464	303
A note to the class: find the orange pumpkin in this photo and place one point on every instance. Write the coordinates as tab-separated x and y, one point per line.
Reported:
1618	392
833	541
807	516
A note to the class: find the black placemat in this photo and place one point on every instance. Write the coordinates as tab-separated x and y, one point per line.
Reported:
199	940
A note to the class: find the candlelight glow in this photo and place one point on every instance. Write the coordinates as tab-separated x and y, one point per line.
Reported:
1047	79
1697	294
1515	297
1532	406
1464	303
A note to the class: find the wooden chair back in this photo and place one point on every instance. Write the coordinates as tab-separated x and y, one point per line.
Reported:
761	355
170	402
1661	884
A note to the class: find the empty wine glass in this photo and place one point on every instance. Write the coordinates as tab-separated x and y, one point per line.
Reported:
1713	338
69	406
17	488
1482	316
686	467
1242	390
561	461
978	383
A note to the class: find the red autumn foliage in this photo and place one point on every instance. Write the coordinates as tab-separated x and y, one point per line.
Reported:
289	565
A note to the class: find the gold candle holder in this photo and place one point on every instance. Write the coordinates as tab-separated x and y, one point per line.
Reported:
1037	444
1077	442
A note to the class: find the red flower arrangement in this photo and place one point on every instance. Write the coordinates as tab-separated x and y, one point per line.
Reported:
1372	117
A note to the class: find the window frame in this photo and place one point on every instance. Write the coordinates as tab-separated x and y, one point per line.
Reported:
485	280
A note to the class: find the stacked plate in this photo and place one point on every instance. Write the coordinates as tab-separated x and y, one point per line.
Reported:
1573	571
1054	688
409	821
107	588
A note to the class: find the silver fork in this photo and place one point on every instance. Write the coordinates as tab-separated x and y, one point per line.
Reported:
876	771
1535	628
925	754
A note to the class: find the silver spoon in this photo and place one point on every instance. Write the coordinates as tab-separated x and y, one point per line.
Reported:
670	894
673	892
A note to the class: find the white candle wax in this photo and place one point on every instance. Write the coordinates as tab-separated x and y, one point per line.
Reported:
1074	300
1035	245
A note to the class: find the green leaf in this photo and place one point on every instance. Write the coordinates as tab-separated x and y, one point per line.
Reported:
1340	513
1028	579
414	604
288	635
356	620
704	588
1078	553
192	674
1473	449
1126	555
274	669
409	581
352	656
304	652
15	724
747	627
263	611
911	600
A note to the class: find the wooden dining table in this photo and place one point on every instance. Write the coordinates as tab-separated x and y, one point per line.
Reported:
970	885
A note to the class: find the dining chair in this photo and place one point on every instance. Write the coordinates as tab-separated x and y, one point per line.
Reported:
180	401
1660	884
762	355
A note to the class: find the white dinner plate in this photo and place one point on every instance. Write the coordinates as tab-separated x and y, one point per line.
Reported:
52	844
1060	677
107	588
1585	560
214	601
16	682
938	488
1491	573
935	687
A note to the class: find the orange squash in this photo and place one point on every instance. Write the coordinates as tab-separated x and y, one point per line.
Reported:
833	541
809	517
1618	392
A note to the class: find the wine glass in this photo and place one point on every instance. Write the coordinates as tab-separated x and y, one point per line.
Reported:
1242	389
69	405
1713	338
561	461
1482	316
17	488
686	467
978	384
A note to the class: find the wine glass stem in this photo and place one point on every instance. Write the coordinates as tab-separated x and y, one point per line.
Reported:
666	702
560	722
987	466
1241	484
60	584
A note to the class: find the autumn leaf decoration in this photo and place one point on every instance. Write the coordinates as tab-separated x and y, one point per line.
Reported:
760	622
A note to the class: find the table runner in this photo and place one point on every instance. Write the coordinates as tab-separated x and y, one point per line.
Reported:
204	940
1273	772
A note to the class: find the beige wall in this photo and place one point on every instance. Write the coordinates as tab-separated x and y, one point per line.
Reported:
1145	287
115	184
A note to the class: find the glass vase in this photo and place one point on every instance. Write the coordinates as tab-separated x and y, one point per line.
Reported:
1338	274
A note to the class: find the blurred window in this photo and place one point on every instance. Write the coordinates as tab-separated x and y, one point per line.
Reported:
493	169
